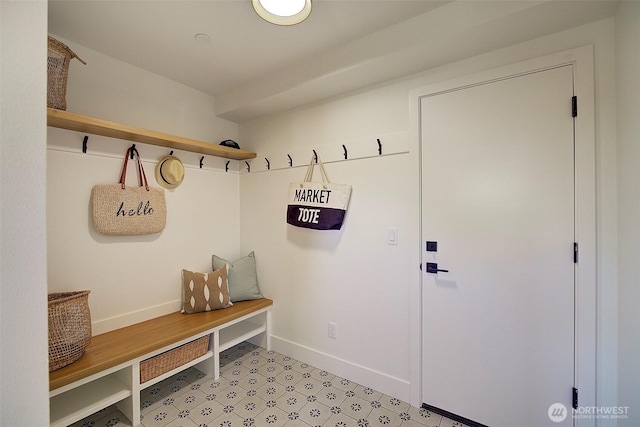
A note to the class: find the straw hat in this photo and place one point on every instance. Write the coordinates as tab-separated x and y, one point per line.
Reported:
169	172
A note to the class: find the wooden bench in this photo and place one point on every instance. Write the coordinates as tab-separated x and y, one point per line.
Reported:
109	371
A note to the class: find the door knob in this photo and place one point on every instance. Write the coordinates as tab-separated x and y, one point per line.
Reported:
432	267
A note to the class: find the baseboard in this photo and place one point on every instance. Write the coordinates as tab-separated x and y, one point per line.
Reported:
387	384
105	325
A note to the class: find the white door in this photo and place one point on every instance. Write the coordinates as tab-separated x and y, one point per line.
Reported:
498	198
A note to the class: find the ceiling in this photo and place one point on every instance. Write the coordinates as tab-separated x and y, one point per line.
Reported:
253	68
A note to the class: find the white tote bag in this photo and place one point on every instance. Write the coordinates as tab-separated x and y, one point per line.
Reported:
317	205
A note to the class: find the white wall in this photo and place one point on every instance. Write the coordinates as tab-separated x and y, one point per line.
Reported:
350	277
23	307
135	278
113	90
353	277
628	110
22	219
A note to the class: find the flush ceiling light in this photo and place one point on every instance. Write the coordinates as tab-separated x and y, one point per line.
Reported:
283	12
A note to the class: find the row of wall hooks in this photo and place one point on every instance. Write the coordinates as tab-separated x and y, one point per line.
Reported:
85	141
394	143
345	153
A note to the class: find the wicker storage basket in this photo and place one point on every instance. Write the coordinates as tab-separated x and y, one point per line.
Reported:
58	57
169	360
69	327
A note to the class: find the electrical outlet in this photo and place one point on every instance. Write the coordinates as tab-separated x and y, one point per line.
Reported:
332	330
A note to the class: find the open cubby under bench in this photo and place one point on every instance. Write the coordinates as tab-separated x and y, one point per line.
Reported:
109	371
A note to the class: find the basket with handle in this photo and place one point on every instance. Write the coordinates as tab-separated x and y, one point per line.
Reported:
58	57
69	327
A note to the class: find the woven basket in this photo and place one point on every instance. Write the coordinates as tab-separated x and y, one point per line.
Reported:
58	57
69	327
169	360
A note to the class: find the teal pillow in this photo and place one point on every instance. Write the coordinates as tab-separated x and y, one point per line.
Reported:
243	279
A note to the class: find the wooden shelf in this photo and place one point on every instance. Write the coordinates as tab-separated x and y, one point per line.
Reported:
77	122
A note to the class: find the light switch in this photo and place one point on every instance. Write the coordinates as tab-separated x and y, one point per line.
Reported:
392	236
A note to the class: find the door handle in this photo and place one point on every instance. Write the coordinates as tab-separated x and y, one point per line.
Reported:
432	267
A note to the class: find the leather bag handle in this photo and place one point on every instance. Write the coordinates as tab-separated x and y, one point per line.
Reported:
142	177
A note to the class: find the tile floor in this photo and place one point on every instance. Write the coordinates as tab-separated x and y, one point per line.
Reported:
263	388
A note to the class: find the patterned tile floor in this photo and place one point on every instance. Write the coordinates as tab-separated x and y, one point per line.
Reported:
259	388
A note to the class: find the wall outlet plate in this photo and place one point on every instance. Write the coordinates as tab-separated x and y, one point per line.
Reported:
332	330
392	236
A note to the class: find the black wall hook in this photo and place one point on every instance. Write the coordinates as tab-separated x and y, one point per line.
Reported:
171	153
345	151
201	161
133	149
248	166
379	147
226	166
268	164
315	156
290	160
84	144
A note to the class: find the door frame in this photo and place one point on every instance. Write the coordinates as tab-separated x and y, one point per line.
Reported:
585	212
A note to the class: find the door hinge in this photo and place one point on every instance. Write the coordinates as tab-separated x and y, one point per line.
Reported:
575	252
574	106
575	398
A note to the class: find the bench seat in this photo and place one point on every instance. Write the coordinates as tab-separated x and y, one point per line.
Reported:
131	344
